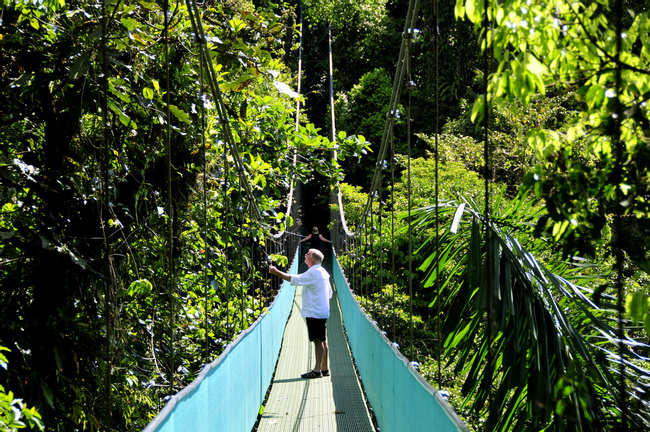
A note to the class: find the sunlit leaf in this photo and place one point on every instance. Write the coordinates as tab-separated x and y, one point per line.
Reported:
285	89
179	114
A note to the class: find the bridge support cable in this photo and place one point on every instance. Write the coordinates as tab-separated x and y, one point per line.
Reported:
206	247
231	151
391	116
170	204
392	231
361	231
409	86
409	31
224	120
437	288
381	261
110	285
618	253
491	247
226	240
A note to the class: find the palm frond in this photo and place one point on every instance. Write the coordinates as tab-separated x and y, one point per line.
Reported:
553	355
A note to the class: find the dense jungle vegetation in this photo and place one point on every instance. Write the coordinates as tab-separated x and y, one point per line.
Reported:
140	204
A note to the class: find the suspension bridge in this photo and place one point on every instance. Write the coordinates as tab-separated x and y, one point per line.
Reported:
255	383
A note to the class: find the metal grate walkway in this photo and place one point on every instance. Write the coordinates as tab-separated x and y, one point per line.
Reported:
334	403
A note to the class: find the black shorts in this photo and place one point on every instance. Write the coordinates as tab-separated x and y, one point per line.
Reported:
316	328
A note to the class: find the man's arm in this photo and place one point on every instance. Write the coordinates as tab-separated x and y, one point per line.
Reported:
274	271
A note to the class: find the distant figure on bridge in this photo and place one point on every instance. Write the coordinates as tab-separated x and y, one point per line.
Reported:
315	239
316	295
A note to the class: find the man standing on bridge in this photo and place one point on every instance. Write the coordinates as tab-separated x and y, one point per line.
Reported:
316	295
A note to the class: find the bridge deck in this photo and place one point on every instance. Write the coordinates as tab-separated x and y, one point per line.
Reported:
334	403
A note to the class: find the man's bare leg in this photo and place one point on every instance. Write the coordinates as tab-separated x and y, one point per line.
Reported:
325	349
318	348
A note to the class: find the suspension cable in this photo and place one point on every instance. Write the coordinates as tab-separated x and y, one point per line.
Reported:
292	186
488	261
620	283
104	204
240	236
381	261
230	143
331	85
436	33
409	29
409	194
392	229
206	260
224	120
170	206
376	183
391	116
226	227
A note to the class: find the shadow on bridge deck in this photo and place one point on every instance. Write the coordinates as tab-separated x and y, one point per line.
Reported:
334	403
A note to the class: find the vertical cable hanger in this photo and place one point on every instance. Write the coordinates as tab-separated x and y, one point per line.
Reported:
104	204
618	251
408	188
373	267
488	257
333	198
206	255
392	230
240	236
381	261
331	84
170	207
436	34
363	250
356	266
226	223
251	264
376	242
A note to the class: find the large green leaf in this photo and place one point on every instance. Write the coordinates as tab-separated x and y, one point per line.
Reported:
541	323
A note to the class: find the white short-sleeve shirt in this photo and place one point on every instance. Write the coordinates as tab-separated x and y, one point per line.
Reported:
316	292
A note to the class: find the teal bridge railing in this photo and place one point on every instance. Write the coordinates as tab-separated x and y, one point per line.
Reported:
228	393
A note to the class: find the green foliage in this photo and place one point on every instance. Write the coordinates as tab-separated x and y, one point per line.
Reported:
340	13
362	111
544	308
637	307
574	46
390	306
354	201
453	179
549	345
129	273
510	156
14	414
